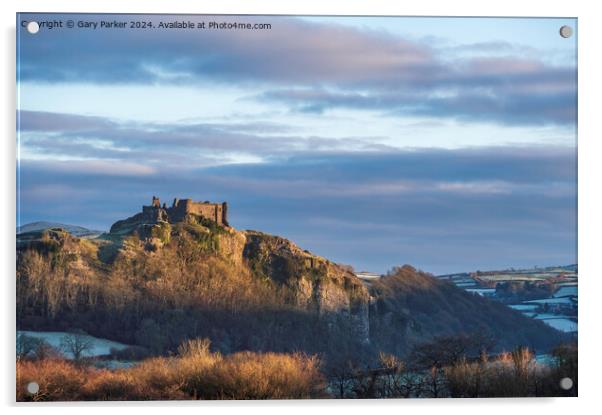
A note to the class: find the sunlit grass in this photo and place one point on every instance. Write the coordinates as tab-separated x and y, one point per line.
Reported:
196	373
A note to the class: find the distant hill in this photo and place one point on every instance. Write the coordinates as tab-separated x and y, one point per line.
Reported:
74	230
571	267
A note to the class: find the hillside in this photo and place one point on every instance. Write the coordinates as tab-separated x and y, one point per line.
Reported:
154	283
426	305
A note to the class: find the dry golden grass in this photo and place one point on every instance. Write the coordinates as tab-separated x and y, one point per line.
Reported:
248	375
195	374
59	380
508	375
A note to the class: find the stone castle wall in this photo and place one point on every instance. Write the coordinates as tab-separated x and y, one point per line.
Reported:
217	212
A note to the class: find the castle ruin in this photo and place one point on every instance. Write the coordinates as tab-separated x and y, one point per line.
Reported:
217	212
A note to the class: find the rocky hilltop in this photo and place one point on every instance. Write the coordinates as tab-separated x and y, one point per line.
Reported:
168	274
332	291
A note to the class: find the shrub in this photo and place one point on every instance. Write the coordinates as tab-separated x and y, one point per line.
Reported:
109	386
513	374
195	374
156	379
194	347
247	375
58	380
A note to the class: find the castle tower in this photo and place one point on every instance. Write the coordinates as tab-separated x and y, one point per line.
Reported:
225	214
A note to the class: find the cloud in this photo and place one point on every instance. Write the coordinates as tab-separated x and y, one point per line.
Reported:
104	168
296	61
504	91
526	165
292	51
57	122
442	210
180	144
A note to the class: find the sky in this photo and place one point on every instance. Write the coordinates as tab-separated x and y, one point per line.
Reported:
444	143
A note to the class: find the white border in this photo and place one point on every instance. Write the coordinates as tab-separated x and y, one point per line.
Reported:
590	207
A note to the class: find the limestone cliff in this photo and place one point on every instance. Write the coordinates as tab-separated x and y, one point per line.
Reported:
333	291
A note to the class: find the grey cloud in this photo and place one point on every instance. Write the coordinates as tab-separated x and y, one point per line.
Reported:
366	69
487	46
343	206
535	164
56	122
198	144
496	90
292	51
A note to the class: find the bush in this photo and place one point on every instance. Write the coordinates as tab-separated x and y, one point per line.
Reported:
247	375
58	380
513	374
195	374
109	386
194	348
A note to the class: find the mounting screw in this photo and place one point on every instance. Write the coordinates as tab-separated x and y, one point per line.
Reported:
33	388
566	383
33	27
566	31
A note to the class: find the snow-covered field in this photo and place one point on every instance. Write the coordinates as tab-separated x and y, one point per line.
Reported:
513	277
545	359
54	338
463	280
562	324
367	275
524	307
482	291
546	316
465	284
567	290
563	300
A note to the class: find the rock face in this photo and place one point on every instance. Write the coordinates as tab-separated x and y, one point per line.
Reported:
230	246
333	291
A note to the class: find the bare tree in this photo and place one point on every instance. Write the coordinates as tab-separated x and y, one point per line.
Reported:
393	384
76	343
443	351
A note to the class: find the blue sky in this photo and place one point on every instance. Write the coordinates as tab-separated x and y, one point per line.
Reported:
449	144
